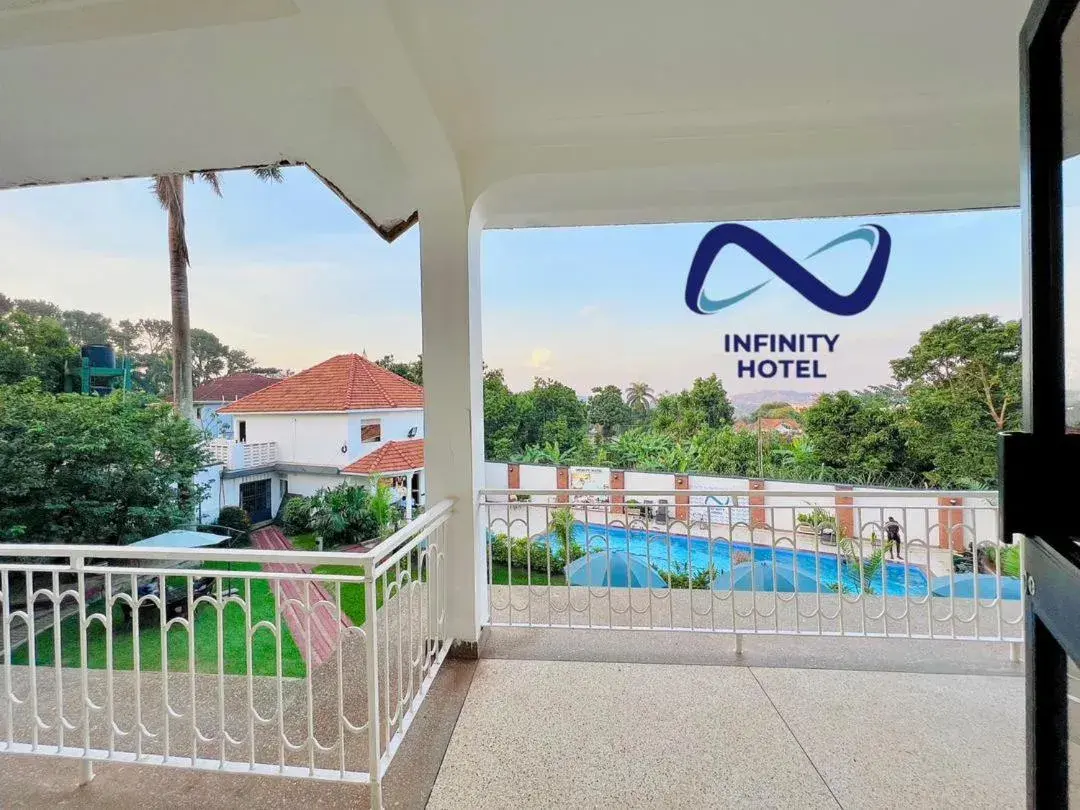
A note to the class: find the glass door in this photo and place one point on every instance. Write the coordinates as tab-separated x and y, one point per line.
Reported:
1039	467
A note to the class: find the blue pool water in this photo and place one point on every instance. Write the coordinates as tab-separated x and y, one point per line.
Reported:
673	551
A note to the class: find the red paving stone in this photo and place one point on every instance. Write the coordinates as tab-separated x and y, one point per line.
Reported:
319	627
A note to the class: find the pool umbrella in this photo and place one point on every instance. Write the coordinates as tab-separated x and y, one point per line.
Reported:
181	538
763	576
964	586
615	569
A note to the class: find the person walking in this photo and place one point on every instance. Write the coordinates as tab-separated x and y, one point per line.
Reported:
892	537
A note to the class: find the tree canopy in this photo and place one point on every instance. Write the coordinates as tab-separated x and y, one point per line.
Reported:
935	424
78	469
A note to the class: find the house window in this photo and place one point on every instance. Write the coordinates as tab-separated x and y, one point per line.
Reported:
242	428
370	431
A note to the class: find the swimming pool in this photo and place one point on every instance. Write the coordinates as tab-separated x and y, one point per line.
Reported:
674	551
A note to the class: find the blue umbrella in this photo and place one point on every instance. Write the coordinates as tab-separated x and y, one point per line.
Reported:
615	569
763	576
964	586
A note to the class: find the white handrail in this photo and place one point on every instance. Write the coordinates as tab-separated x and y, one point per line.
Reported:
771	493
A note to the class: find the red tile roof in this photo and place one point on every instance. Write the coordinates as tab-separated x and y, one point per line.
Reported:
391	457
232	386
347	382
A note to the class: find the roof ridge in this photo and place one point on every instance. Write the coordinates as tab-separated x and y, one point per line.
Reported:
377	384
347	404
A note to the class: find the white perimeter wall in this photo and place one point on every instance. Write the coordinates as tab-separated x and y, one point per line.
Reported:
916	510
308	484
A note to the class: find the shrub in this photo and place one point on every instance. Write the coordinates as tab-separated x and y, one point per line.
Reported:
525	552
342	515
234	517
297	518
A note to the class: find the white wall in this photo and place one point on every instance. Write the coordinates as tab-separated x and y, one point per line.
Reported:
534	476
733	511
301	438
308	484
496	475
395	427
317	439
916	510
210	506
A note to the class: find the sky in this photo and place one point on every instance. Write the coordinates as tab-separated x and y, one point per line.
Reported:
292	276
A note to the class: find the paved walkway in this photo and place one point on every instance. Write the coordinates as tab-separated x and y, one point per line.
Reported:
310	610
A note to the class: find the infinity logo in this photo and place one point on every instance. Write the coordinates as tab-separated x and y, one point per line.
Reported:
787	269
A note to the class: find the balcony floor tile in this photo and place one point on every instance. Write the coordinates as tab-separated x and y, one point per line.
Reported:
544	733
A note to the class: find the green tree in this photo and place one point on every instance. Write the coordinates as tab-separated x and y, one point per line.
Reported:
37	308
77	469
153	335
169	191
503	429
414	371
208	356
962	383
608	411
33	347
852	434
553	414
975	358
704	405
640	398
86	327
125	337
237	361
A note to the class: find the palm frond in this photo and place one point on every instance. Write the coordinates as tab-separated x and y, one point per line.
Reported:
162	189
167	190
269	174
212	180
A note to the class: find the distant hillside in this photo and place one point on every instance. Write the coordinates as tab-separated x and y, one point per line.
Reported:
745	404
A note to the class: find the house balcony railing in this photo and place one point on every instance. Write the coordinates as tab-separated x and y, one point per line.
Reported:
243	455
236	661
754	562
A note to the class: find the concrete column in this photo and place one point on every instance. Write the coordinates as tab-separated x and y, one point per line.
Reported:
758	519
618	481
682	502
562	481
454	403
951	523
845	514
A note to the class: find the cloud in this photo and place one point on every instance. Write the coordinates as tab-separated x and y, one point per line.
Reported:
589	309
541	359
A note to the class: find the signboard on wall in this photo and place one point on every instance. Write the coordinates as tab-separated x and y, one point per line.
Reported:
590	479
726	510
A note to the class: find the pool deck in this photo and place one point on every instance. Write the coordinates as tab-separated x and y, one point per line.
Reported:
609	719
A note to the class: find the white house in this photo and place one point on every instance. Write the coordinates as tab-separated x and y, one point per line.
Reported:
213	395
345	419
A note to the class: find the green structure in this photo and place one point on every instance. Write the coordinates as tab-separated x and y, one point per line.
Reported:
99	372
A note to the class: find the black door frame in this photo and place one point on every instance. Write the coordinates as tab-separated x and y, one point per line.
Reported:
1051	558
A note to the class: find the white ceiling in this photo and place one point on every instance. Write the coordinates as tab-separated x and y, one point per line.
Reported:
555	112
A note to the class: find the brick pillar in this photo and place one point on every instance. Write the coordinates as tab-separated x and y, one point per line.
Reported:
513	476
757	504
951	523
682	502
562	481
845	513
618	481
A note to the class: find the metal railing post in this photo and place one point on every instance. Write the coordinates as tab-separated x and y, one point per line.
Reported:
371	671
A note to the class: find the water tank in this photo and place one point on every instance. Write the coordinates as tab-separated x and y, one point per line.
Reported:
100	355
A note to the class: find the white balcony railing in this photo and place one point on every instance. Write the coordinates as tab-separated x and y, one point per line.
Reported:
247	663
775	562
243	455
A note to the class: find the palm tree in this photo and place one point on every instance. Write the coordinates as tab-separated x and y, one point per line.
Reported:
169	191
640	397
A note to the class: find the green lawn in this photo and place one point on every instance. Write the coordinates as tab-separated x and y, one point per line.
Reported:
234	648
519	576
352	593
305	542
